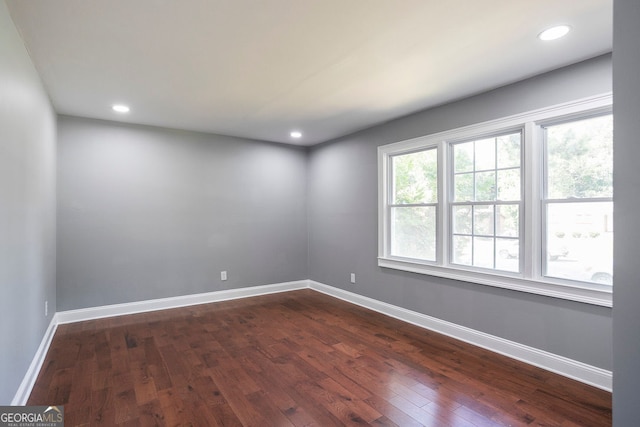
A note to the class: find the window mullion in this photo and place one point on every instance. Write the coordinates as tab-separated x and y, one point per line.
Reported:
580	200
412	205
443	223
530	226
386	187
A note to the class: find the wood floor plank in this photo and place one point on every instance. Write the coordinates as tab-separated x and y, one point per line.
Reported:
299	358
151	414
125	405
102	408
144	386
392	413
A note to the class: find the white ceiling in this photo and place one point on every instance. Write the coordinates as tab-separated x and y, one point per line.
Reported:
261	68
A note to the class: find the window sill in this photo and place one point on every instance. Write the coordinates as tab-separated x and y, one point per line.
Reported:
595	296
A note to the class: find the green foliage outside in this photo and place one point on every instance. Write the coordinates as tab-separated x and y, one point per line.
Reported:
487	195
415	181
580	166
486	170
580	159
415	178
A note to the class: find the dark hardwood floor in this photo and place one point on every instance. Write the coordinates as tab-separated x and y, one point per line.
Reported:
295	359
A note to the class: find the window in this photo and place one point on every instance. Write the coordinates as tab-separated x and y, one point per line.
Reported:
414	202
579	200
523	202
486	202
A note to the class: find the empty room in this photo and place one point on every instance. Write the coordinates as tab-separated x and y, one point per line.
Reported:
319	212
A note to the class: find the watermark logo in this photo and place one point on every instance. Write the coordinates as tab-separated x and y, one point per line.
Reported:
31	416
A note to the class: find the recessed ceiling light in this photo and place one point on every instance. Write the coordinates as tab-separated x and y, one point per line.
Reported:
119	108
296	134
554	33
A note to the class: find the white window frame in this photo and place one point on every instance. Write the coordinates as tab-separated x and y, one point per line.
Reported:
531	278
451	202
391	205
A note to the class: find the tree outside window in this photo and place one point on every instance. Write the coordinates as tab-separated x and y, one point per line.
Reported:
579	200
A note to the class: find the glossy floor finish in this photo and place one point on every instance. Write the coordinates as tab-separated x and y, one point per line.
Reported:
295	359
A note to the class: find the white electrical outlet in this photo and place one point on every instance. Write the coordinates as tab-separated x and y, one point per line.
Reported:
353	277
223	275
46	308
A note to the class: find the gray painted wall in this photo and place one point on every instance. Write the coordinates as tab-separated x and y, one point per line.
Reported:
626	295
27	209
148	213
343	226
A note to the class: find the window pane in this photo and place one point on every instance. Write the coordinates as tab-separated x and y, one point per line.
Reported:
508	258
462	250
580	241
485	151
509	184
485	186
495	176
463	187
580	159
483	252
462	219
508	151
415	177
463	157
508	220
413	232
483	220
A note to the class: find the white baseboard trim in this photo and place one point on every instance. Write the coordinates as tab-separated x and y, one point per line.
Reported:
24	391
579	371
564	366
71	316
92	313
